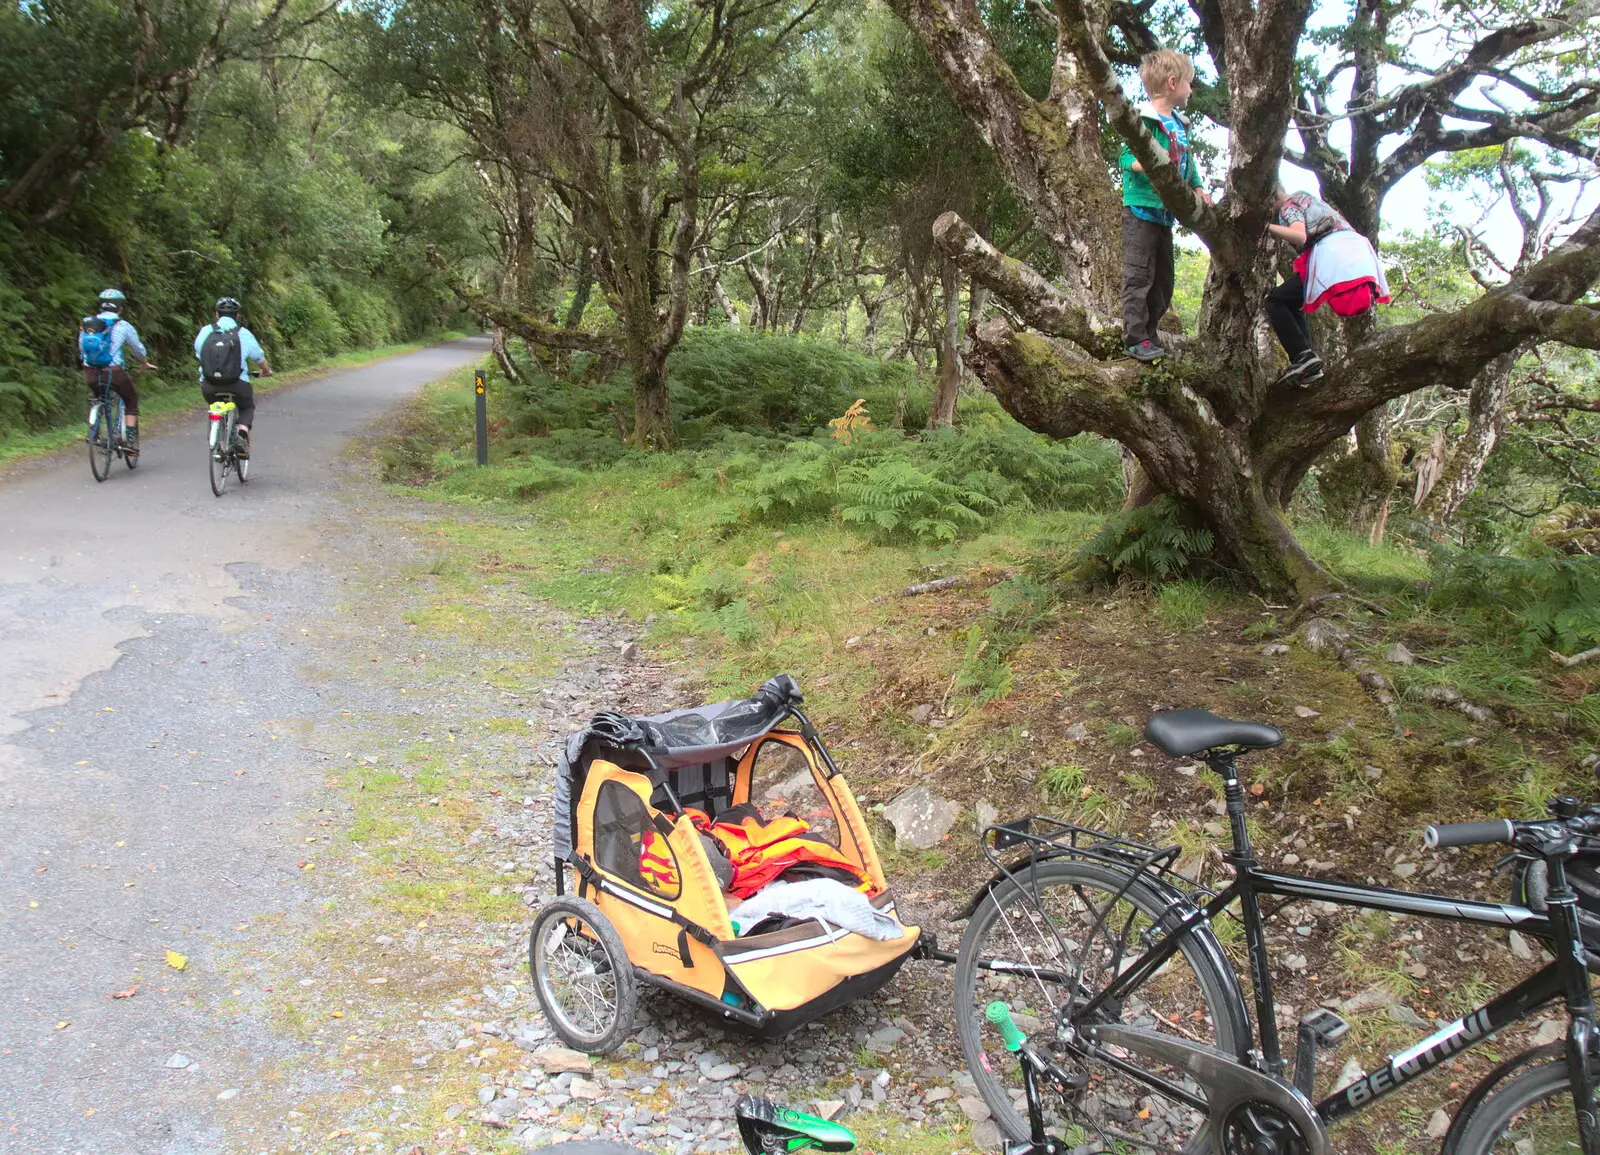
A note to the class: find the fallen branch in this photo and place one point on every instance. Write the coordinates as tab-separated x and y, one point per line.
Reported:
943	583
1575	659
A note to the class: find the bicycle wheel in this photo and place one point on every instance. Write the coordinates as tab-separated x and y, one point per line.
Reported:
582	976
1531	1114
218	455
1010	952
100	447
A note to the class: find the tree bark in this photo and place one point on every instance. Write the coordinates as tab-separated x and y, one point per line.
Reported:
943	409
1487	414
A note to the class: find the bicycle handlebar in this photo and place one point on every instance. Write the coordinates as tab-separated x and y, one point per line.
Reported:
1468	833
1000	1015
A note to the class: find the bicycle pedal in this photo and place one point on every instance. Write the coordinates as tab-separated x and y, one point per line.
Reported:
1328	1028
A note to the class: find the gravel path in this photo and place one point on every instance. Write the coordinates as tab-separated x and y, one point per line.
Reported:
151	793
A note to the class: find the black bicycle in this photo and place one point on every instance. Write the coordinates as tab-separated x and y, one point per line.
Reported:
107	430
1112	959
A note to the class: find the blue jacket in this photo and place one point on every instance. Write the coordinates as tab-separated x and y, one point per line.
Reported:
249	348
123	336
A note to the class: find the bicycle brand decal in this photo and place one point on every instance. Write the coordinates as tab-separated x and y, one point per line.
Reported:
1424	1056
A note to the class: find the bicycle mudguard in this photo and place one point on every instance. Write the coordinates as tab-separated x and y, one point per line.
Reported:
1509	1069
1229	1084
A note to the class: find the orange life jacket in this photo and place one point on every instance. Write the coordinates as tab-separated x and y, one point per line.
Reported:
761	850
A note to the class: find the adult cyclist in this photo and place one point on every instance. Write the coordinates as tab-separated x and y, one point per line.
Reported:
225	349
102	344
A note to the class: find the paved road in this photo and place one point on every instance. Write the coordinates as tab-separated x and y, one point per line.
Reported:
149	780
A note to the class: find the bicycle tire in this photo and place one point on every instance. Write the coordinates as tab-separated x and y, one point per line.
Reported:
1531	1112
100	448
241	468
573	945
1191	987
217	456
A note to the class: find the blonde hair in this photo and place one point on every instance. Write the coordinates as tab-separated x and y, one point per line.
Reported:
1163	65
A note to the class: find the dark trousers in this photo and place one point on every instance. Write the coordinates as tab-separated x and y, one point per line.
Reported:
1147	276
1285	309
121	384
244	396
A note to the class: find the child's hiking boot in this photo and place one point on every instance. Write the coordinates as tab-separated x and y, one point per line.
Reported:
1303	370
1146	351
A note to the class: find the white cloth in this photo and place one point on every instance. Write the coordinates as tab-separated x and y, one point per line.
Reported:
820	898
1341	257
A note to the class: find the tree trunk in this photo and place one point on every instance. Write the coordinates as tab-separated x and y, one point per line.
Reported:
1486	421
1378	474
943	410
652	406
508	367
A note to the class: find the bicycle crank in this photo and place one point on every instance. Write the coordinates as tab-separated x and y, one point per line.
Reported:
1240	1101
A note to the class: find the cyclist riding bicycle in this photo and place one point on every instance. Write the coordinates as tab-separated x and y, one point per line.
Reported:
225	349
102	341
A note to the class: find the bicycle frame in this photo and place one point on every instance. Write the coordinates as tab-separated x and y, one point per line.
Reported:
1567	978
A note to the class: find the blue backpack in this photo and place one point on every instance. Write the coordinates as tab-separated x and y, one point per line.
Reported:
94	341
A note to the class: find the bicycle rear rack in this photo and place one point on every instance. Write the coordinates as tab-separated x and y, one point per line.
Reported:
1046	839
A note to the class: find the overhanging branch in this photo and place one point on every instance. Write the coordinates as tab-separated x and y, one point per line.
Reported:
1037	301
528	328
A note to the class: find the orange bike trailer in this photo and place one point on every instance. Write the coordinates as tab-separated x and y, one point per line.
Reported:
667	830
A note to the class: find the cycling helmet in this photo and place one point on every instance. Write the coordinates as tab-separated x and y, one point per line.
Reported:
227	307
112	299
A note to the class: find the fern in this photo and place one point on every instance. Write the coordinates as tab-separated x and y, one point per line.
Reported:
897	499
1150	543
1546	601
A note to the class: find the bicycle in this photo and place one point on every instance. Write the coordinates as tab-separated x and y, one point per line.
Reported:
1111	956
222	454
107	430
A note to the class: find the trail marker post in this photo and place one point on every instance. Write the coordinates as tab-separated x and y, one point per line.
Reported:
483	418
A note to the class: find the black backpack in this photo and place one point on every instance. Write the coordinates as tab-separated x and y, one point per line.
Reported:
221	359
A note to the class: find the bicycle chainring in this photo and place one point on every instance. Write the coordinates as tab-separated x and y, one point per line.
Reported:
1261	1129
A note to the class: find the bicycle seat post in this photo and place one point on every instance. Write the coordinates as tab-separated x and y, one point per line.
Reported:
1221	760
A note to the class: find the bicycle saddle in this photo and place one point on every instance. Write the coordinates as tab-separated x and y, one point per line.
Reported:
767	1126
1184	732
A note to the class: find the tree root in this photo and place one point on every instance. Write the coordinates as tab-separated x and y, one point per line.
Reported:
1323	636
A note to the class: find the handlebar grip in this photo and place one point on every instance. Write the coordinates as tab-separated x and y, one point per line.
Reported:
1000	1015
1468	833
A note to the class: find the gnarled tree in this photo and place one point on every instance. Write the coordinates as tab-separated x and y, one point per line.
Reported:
1212	427
618	107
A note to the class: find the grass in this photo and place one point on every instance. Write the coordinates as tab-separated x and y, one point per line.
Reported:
1062	785
1182	605
160	398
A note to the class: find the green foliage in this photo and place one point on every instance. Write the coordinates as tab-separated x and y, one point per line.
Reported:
223	185
930	488
1543	601
896	499
985	674
1151	543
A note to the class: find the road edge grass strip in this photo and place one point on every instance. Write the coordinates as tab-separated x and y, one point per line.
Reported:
158	408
